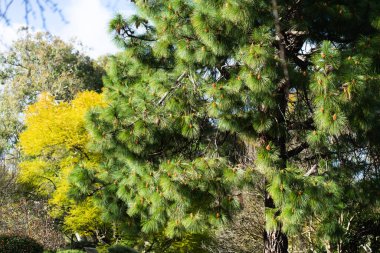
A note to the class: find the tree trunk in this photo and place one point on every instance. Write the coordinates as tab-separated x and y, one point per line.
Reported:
274	241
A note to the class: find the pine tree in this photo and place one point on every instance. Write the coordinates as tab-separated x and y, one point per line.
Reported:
209	93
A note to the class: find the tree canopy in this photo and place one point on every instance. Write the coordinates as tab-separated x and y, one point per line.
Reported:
39	63
35	63
53	145
211	105
209	94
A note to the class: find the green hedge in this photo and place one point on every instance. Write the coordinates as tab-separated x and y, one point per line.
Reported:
19	244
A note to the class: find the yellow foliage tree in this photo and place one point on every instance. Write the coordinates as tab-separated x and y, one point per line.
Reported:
53	144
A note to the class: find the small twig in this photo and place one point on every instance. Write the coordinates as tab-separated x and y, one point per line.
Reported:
4	13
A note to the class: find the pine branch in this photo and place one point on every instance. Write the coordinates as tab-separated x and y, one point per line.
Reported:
94	191
127	32
178	85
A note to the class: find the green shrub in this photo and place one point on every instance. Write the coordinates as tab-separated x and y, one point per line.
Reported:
102	248
70	251
121	249
19	244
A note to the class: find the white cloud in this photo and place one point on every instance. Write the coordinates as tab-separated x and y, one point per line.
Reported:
8	35
88	21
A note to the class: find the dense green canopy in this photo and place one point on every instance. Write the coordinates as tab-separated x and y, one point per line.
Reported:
212	95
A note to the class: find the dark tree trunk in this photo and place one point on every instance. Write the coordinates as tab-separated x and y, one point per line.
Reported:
274	241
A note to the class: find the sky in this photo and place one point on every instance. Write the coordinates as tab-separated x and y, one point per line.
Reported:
86	22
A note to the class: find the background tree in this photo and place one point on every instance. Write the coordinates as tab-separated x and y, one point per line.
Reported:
208	91
25	216
53	144
35	63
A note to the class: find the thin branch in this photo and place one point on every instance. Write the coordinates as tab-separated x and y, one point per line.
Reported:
31	8
3	15
127	32
178	84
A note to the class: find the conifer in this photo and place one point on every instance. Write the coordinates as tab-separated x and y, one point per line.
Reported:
202	82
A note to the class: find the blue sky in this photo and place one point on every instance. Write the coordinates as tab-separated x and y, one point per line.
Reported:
87	22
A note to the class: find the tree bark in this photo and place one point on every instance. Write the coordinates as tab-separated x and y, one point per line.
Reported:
274	241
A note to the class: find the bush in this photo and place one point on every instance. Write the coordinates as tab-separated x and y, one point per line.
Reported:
70	251
121	249
19	244
81	245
